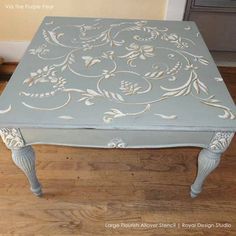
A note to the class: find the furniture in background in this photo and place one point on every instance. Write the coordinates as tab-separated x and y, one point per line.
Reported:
216	22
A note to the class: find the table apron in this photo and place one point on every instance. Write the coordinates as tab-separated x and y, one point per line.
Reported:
116	138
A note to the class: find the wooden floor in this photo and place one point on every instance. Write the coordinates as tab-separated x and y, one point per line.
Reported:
112	192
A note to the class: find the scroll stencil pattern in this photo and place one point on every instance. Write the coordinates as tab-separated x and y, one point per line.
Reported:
112	49
221	141
12	138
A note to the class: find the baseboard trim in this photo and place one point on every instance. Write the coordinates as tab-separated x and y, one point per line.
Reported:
12	51
7	69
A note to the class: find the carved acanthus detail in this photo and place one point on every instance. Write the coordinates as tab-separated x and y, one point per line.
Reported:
116	143
12	138
221	141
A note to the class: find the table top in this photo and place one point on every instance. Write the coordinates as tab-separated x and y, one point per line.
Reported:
117	74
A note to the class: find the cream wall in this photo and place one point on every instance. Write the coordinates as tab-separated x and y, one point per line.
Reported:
20	18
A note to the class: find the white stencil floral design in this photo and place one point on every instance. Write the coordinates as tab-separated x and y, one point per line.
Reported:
97	45
136	51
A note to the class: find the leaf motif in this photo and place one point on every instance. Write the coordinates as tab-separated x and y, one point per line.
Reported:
66	117
155	75
171	93
226	115
27	80
214	100
159	74
92	92
94	61
142	57
148	74
46	37
119	97
117	43
32	74
227	112
89	61
82	99
113	113
136	89
71	59
88	102
107	119
132	28
112	95
219	79
168	117
50	37
196	86
59	35
203	61
202	86
64	67
109	113
45	68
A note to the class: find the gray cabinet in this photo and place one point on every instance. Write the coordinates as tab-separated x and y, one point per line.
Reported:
216	21
215	3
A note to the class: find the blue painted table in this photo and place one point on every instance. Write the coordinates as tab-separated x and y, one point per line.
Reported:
115	83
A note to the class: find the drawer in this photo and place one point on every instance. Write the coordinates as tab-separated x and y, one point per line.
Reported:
116	138
215	3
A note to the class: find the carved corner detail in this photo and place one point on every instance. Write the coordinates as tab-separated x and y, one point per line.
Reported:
12	138
220	141
116	143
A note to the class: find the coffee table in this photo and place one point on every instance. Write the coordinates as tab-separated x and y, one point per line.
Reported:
115	83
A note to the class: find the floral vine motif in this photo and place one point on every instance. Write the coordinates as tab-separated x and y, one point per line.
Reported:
116	143
136	51
155	32
90	61
185	89
52	37
90	94
41	50
162	74
140	48
175	39
112	114
221	141
211	101
109	116
12	137
129	88
45	75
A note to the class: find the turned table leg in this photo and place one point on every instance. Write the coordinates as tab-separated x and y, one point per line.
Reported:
207	162
23	156
209	159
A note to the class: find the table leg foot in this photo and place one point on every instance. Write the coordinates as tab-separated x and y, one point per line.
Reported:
24	158
207	162
193	194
